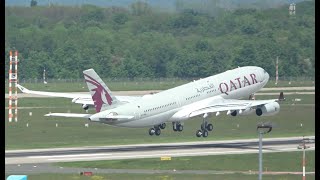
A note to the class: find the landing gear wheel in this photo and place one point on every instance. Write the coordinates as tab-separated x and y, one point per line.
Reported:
174	128
209	127
180	127
204	125
157	131
151	131
205	133
163	125
199	133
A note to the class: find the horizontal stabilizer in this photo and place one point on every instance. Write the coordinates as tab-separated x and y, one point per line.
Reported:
69	115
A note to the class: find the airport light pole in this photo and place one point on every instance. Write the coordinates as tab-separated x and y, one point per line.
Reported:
262	129
304	147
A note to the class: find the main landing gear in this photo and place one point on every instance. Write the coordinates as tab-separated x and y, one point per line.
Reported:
157	129
205	127
177	126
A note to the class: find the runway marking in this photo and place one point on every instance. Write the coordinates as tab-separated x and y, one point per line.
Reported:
175	154
152	151
66	156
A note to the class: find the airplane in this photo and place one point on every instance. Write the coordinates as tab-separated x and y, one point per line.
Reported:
214	94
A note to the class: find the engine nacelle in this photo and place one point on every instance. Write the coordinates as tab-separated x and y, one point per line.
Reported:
247	111
85	106
234	113
268	109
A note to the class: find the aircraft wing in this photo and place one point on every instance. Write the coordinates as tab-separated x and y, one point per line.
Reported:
217	104
76	97
228	105
53	94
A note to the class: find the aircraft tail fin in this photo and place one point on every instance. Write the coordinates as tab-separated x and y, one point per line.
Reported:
100	93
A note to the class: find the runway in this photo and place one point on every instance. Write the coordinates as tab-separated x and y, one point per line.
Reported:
201	148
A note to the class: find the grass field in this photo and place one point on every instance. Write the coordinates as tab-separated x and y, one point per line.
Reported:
42	131
280	161
159	84
163	177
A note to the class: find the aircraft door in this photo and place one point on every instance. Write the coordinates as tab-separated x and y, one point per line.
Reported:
137	113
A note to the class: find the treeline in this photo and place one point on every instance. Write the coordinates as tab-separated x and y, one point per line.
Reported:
141	42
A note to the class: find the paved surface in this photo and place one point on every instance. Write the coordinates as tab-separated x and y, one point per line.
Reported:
151	150
38	160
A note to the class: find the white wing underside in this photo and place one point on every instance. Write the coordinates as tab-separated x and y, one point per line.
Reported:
218	104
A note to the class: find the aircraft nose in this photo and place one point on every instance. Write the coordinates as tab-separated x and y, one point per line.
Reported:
266	75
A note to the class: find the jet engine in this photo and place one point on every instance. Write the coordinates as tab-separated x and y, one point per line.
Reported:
85	106
268	109
247	111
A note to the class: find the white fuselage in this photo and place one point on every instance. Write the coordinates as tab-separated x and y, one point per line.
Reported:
161	107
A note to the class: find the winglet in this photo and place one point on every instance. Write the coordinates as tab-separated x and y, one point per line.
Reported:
23	89
281	97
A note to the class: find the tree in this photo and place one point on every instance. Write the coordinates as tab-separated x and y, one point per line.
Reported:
140	8
33	3
139	41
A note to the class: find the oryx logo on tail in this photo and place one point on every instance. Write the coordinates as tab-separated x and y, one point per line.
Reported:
99	94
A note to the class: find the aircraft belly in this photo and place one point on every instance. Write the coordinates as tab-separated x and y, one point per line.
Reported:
148	121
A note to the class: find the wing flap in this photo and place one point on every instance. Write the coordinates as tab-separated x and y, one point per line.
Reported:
215	109
221	104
